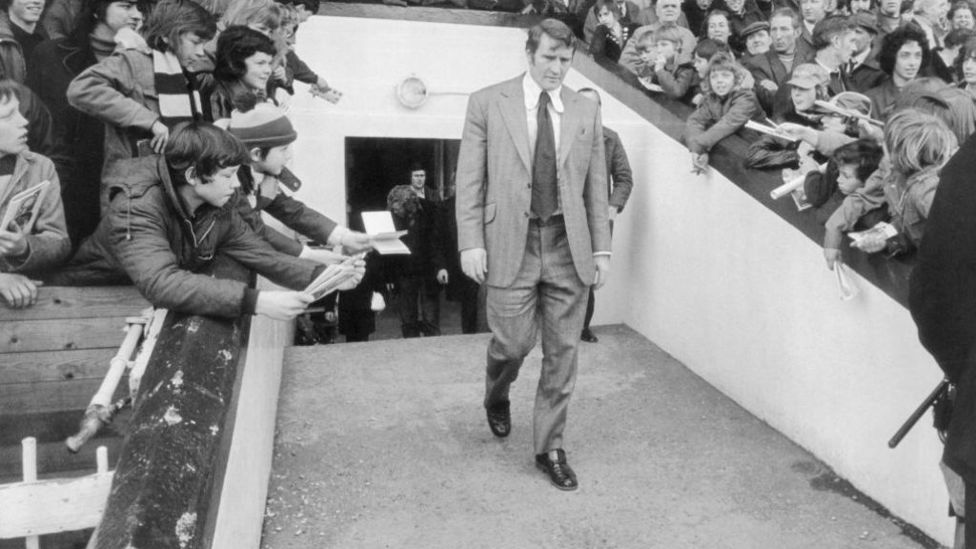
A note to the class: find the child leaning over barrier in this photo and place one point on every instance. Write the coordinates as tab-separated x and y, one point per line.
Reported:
32	243
917	145
724	110
169	219
847	171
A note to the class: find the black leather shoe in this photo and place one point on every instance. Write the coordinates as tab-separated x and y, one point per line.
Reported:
560	474
500	419
588	336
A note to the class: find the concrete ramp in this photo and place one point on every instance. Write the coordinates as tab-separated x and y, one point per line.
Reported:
385	444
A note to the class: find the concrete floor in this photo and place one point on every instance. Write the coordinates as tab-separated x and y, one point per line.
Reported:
384	444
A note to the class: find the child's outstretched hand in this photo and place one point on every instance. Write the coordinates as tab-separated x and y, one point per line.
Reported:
699	163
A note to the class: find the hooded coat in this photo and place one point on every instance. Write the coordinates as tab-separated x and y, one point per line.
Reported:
150	238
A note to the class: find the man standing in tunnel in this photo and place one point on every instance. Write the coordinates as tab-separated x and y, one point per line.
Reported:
533	226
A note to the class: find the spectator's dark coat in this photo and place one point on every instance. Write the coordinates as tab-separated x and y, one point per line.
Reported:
78	138
942	299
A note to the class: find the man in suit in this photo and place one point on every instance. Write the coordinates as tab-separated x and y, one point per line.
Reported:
620	182
532	225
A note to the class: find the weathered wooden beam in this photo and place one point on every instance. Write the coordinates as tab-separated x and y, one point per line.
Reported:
163	488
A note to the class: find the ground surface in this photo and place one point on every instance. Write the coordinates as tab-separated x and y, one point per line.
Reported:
384	444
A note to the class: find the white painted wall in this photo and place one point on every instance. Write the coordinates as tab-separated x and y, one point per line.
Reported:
699	267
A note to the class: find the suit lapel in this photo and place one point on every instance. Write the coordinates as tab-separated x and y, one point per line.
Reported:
570	119
513	114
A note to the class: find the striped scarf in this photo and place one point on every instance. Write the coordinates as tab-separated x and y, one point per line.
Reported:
179	101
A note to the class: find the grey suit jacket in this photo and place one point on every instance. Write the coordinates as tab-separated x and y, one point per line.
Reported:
494	177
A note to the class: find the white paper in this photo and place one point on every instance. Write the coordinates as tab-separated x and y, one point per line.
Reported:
386	239
845	284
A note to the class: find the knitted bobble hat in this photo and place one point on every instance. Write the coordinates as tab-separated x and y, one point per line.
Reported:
260	125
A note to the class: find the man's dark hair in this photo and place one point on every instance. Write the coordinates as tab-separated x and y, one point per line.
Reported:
205	148
828	28
787	12
864	153
958	37
172	18
895	40
417	167
93	11
234	46
555	29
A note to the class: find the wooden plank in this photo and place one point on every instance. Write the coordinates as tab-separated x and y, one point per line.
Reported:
68	504
54	460
79	302
54	426
53	335
55	365
244	485
50	396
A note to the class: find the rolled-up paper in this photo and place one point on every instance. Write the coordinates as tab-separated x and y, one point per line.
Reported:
788	187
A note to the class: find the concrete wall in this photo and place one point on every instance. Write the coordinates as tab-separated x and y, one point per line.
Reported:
700	268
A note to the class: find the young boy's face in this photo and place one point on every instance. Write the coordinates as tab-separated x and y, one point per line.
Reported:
13	128
803	98
667	49
645	51
605	17
721	81
258	71
217	189
847	180
273	162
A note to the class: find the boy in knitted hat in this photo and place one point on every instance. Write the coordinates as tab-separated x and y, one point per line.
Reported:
268	134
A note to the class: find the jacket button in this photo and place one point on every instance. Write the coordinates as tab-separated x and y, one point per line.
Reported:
526	214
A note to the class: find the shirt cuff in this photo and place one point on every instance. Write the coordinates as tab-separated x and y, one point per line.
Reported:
596	254
336	236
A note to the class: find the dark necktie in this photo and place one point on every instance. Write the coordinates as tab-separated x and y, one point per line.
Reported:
544	163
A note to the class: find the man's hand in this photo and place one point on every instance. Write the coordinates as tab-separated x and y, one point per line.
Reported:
279	74
13	243
282	305
769	85
358	266
871	243
18	290
319	255
160	136
474	263
602	271
797	131
833	257
356	242
442	276
331	95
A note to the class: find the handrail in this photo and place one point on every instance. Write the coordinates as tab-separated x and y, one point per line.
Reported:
101	410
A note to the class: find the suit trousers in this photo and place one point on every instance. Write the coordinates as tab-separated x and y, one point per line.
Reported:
419	306
547	292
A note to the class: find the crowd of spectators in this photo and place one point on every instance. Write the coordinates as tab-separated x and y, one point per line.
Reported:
142	141
849	91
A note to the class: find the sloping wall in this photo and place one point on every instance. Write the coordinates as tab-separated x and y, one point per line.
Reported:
699	267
